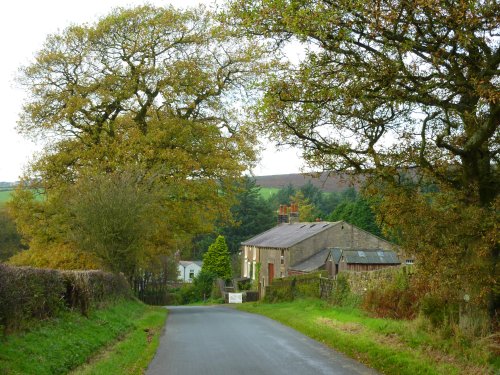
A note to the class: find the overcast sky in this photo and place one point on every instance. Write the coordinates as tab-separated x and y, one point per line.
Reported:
24	25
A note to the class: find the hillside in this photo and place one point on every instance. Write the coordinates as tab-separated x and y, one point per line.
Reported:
325	181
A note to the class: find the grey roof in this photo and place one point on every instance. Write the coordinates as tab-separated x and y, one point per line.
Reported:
313	262
335	254
286	235
370	256
186	263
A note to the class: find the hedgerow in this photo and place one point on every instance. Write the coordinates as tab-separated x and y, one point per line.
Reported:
28	294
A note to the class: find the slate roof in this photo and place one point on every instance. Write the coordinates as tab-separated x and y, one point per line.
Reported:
369	256
313	262
287	235
335	253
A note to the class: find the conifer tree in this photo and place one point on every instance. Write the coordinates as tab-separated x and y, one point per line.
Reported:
217	260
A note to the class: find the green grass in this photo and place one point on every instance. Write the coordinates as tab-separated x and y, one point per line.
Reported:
60	345
267	192
390	346
5	196
134	352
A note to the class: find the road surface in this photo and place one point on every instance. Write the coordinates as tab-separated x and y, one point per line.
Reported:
216	340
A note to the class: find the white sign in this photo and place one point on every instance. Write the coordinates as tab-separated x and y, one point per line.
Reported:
235	297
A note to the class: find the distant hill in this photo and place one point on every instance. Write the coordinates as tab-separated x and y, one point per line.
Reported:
7	185
325	181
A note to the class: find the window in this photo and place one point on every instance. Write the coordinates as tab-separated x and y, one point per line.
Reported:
282	256
409	261
191	274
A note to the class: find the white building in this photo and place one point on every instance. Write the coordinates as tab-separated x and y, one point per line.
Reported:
188	269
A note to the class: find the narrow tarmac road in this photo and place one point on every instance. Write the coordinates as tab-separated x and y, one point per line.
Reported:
215	340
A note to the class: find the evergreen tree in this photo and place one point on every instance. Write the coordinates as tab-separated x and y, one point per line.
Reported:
315	196
217	259
252	214
282	196
357	212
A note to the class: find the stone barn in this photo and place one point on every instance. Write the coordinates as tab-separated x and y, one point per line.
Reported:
292	248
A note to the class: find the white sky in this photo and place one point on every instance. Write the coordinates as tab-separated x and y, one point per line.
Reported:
24	25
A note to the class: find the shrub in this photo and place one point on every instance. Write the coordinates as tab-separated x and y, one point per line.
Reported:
203	284
245	284
438	310
396	299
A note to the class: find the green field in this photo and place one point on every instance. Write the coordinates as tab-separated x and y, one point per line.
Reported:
267	192
5	196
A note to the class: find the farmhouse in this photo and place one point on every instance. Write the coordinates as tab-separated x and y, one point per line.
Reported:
188	269
294	248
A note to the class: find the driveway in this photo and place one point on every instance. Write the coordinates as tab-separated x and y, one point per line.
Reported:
221	341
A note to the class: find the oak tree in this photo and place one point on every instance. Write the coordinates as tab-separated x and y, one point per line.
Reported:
388	84
150	91
390	89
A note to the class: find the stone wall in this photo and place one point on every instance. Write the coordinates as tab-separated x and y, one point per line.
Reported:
360	282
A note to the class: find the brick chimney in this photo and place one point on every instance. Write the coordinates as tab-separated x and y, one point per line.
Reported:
283	214
294	213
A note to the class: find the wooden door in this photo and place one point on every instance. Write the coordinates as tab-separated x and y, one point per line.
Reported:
270	272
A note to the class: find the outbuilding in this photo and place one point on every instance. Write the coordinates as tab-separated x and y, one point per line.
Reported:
292	248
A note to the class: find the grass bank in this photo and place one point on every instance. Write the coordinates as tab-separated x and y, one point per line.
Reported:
119	339
390	346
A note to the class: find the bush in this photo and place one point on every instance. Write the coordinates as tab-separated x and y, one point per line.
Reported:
32	294
438	310
398	299
201	289
203	285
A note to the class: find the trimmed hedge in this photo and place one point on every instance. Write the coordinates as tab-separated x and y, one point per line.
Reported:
34	294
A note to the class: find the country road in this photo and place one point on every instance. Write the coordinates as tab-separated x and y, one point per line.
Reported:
216	340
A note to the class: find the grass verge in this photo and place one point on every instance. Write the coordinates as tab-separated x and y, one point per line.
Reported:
124	334
390	346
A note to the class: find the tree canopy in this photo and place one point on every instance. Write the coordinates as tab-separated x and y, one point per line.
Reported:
407	94
386	85
148	92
